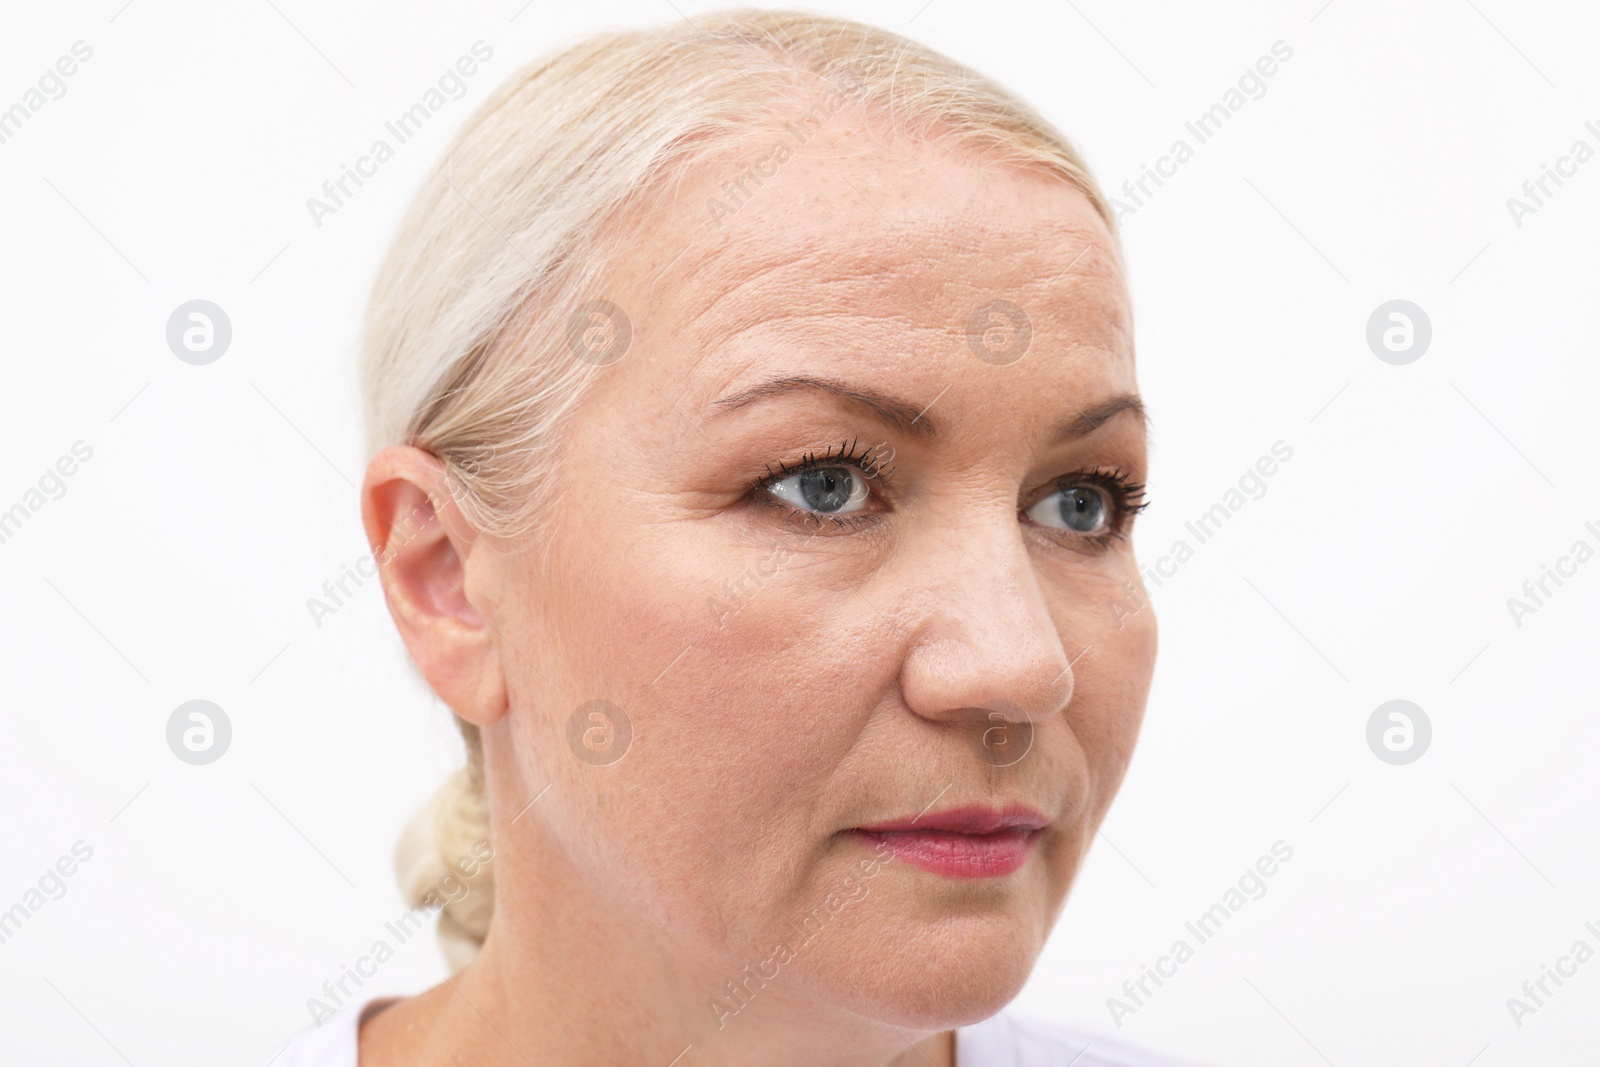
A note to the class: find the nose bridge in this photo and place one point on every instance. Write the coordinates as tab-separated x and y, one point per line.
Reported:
984	637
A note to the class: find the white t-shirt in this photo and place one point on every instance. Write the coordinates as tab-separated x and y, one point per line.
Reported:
1003	1040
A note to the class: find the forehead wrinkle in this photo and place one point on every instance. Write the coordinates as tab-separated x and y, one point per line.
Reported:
924	252
754	277
821	278
887	328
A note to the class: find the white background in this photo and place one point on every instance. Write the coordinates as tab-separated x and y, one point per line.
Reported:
1377	566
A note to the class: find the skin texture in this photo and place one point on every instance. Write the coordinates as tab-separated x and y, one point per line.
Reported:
852	678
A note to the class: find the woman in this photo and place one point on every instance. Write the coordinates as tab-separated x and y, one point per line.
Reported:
756	446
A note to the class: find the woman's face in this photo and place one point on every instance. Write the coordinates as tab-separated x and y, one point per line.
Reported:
943	615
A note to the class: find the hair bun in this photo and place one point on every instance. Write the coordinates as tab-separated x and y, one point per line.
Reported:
444	859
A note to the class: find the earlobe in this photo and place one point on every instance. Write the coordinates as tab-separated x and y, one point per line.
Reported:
423	545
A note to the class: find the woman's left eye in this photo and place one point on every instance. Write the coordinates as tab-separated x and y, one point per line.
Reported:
1083	509
824	490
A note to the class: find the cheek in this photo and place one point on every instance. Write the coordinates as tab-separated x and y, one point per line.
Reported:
745	685
774	689
1109	699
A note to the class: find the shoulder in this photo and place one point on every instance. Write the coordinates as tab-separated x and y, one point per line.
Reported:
330	1044
1012	1039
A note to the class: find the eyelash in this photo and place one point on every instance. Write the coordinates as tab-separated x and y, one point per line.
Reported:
1126	497
847	454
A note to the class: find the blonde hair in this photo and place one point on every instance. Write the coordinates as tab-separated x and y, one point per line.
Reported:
467	349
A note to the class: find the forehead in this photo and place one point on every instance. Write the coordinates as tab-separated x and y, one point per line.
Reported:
853	251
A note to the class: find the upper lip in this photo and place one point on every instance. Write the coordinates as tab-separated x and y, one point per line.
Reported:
974	819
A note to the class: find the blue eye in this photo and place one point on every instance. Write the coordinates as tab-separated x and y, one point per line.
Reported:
828	490
1095	505
834	484
1079	508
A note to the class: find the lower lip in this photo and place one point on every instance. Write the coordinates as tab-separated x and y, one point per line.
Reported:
956	855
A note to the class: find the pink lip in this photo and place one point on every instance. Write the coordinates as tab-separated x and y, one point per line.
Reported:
972	842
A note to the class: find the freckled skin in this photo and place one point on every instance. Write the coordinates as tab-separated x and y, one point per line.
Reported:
853	679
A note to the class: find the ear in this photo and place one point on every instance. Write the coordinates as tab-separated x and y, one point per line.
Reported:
423	545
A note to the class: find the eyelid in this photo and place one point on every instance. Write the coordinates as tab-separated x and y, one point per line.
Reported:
847	455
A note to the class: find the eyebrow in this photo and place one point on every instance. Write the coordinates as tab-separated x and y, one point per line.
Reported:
897	414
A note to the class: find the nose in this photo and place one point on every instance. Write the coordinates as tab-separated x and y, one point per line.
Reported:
984	640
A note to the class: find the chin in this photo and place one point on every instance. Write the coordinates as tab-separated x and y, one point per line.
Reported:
934	975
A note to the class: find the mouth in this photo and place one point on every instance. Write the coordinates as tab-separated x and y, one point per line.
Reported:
972	842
